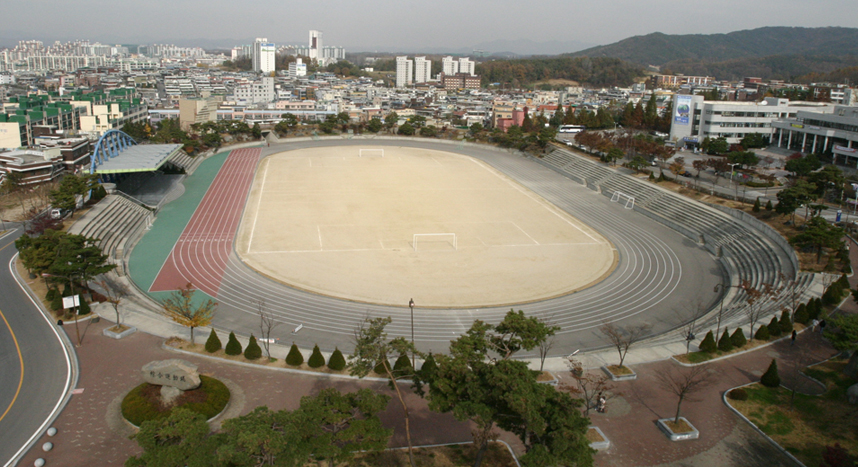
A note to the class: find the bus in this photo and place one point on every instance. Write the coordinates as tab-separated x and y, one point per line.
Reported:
572	128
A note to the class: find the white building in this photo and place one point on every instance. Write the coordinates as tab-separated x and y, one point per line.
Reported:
263	55
404	72
834	132
422	70
467	66
258	92
316	49
449	66
694	119
297	68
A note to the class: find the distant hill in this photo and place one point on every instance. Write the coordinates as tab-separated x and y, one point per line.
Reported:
591	71
793	68
660	49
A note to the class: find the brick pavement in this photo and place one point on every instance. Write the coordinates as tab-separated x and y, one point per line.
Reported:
109	368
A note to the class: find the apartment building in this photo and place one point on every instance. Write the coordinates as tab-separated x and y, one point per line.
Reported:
404	72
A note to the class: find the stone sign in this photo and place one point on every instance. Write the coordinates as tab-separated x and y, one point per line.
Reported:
175	372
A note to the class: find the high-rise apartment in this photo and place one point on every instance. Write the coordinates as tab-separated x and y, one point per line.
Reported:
316	44
422	70
467	66
404	72
449	66
263	55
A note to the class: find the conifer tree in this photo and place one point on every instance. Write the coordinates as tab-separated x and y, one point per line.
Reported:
233	347
770	378
213	343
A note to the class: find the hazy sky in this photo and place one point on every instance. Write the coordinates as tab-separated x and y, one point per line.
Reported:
403	24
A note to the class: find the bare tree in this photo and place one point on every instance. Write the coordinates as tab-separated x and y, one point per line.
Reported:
756	302
690	327
589	385
683	383
791	291
623	337
114	292
266	324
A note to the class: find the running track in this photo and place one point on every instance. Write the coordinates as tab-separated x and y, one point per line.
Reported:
201	253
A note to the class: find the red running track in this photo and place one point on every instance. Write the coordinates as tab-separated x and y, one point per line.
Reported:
200	255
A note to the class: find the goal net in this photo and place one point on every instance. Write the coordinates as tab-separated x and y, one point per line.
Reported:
370	152
620	197
435	241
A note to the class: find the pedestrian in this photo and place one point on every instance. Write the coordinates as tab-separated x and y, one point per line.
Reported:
813	325
792	338
604	403
822	326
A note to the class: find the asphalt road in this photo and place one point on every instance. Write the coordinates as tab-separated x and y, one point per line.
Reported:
35	368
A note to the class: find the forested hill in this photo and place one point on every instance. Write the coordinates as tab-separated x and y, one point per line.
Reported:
662	49
600	71
792	68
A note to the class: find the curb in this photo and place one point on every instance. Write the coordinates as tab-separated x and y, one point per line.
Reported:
725	357
755	427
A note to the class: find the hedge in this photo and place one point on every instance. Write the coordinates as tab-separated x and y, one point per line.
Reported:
738	394
317	360
137	409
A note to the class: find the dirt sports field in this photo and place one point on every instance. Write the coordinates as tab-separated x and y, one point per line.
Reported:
341	223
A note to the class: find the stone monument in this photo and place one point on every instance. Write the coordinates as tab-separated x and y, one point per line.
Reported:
174	376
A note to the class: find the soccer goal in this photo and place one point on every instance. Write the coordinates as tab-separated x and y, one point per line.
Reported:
435	241
370	152
630	200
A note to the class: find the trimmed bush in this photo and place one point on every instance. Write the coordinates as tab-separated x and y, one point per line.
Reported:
294	358
738	338
57	302
762	334
844	282
708	344
52	292
402	366
337	362
770	378
801	315
756	207
725	344
379	368
429	368
785	323
813	309
738	394
769	206
233	347
136	408
317	360
833	295
83	309
253	351
213	342
774	327
98	193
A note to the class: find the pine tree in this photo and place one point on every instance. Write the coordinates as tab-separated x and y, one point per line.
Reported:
253	351
213	343
769	206
813	309
785	323
402	366
762	334
774	327
801	315
337	362
83	309
708	344
317	360
294	358
379	368
738	338
725	344
770	378
756	207
428	369
233	347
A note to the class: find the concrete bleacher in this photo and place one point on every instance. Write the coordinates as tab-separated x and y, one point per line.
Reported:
113	220
746	254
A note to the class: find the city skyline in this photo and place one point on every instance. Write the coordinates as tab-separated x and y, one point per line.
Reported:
551	27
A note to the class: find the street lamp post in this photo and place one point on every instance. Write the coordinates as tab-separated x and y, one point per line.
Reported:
411	305
723	288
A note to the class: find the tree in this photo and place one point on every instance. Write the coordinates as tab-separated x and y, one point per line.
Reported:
78	257
267	323
683	383
374	125
294	357
803	166
233	347
252	351
725	344
738	338
718	146
180	307
789	199
843	335
614	155
708	344
406	129
372	347
262	437
316	359
624	337
337	362
180	439
770	378
335	426
391	120
256	131
757	206
589	385
743	158
213	343
678	166
819	234
429	131
114	292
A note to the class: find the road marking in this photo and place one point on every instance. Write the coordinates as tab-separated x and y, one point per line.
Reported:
20	357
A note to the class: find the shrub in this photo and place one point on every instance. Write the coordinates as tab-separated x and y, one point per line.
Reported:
756	207
316	359
83	309
213	342
770	377
708	344
137	409
725	344
769	206
801	315
785	323
379	368
402	366
57	302
429	368
52	292
832	295
294	358
337	362
738	338
651	176
844	282
253	351
738	394
233	347
813	309
762	334
774	327
98	193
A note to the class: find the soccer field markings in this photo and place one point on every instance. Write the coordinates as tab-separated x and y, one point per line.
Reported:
258	203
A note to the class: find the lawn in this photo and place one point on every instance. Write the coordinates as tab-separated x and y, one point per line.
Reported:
805	425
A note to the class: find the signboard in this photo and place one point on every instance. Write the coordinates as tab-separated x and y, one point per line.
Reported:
690	139
843	149
71	302
796	125
683	109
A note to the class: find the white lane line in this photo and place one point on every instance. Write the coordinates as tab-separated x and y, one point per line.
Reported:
319	229
258	202
525	233
52	416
